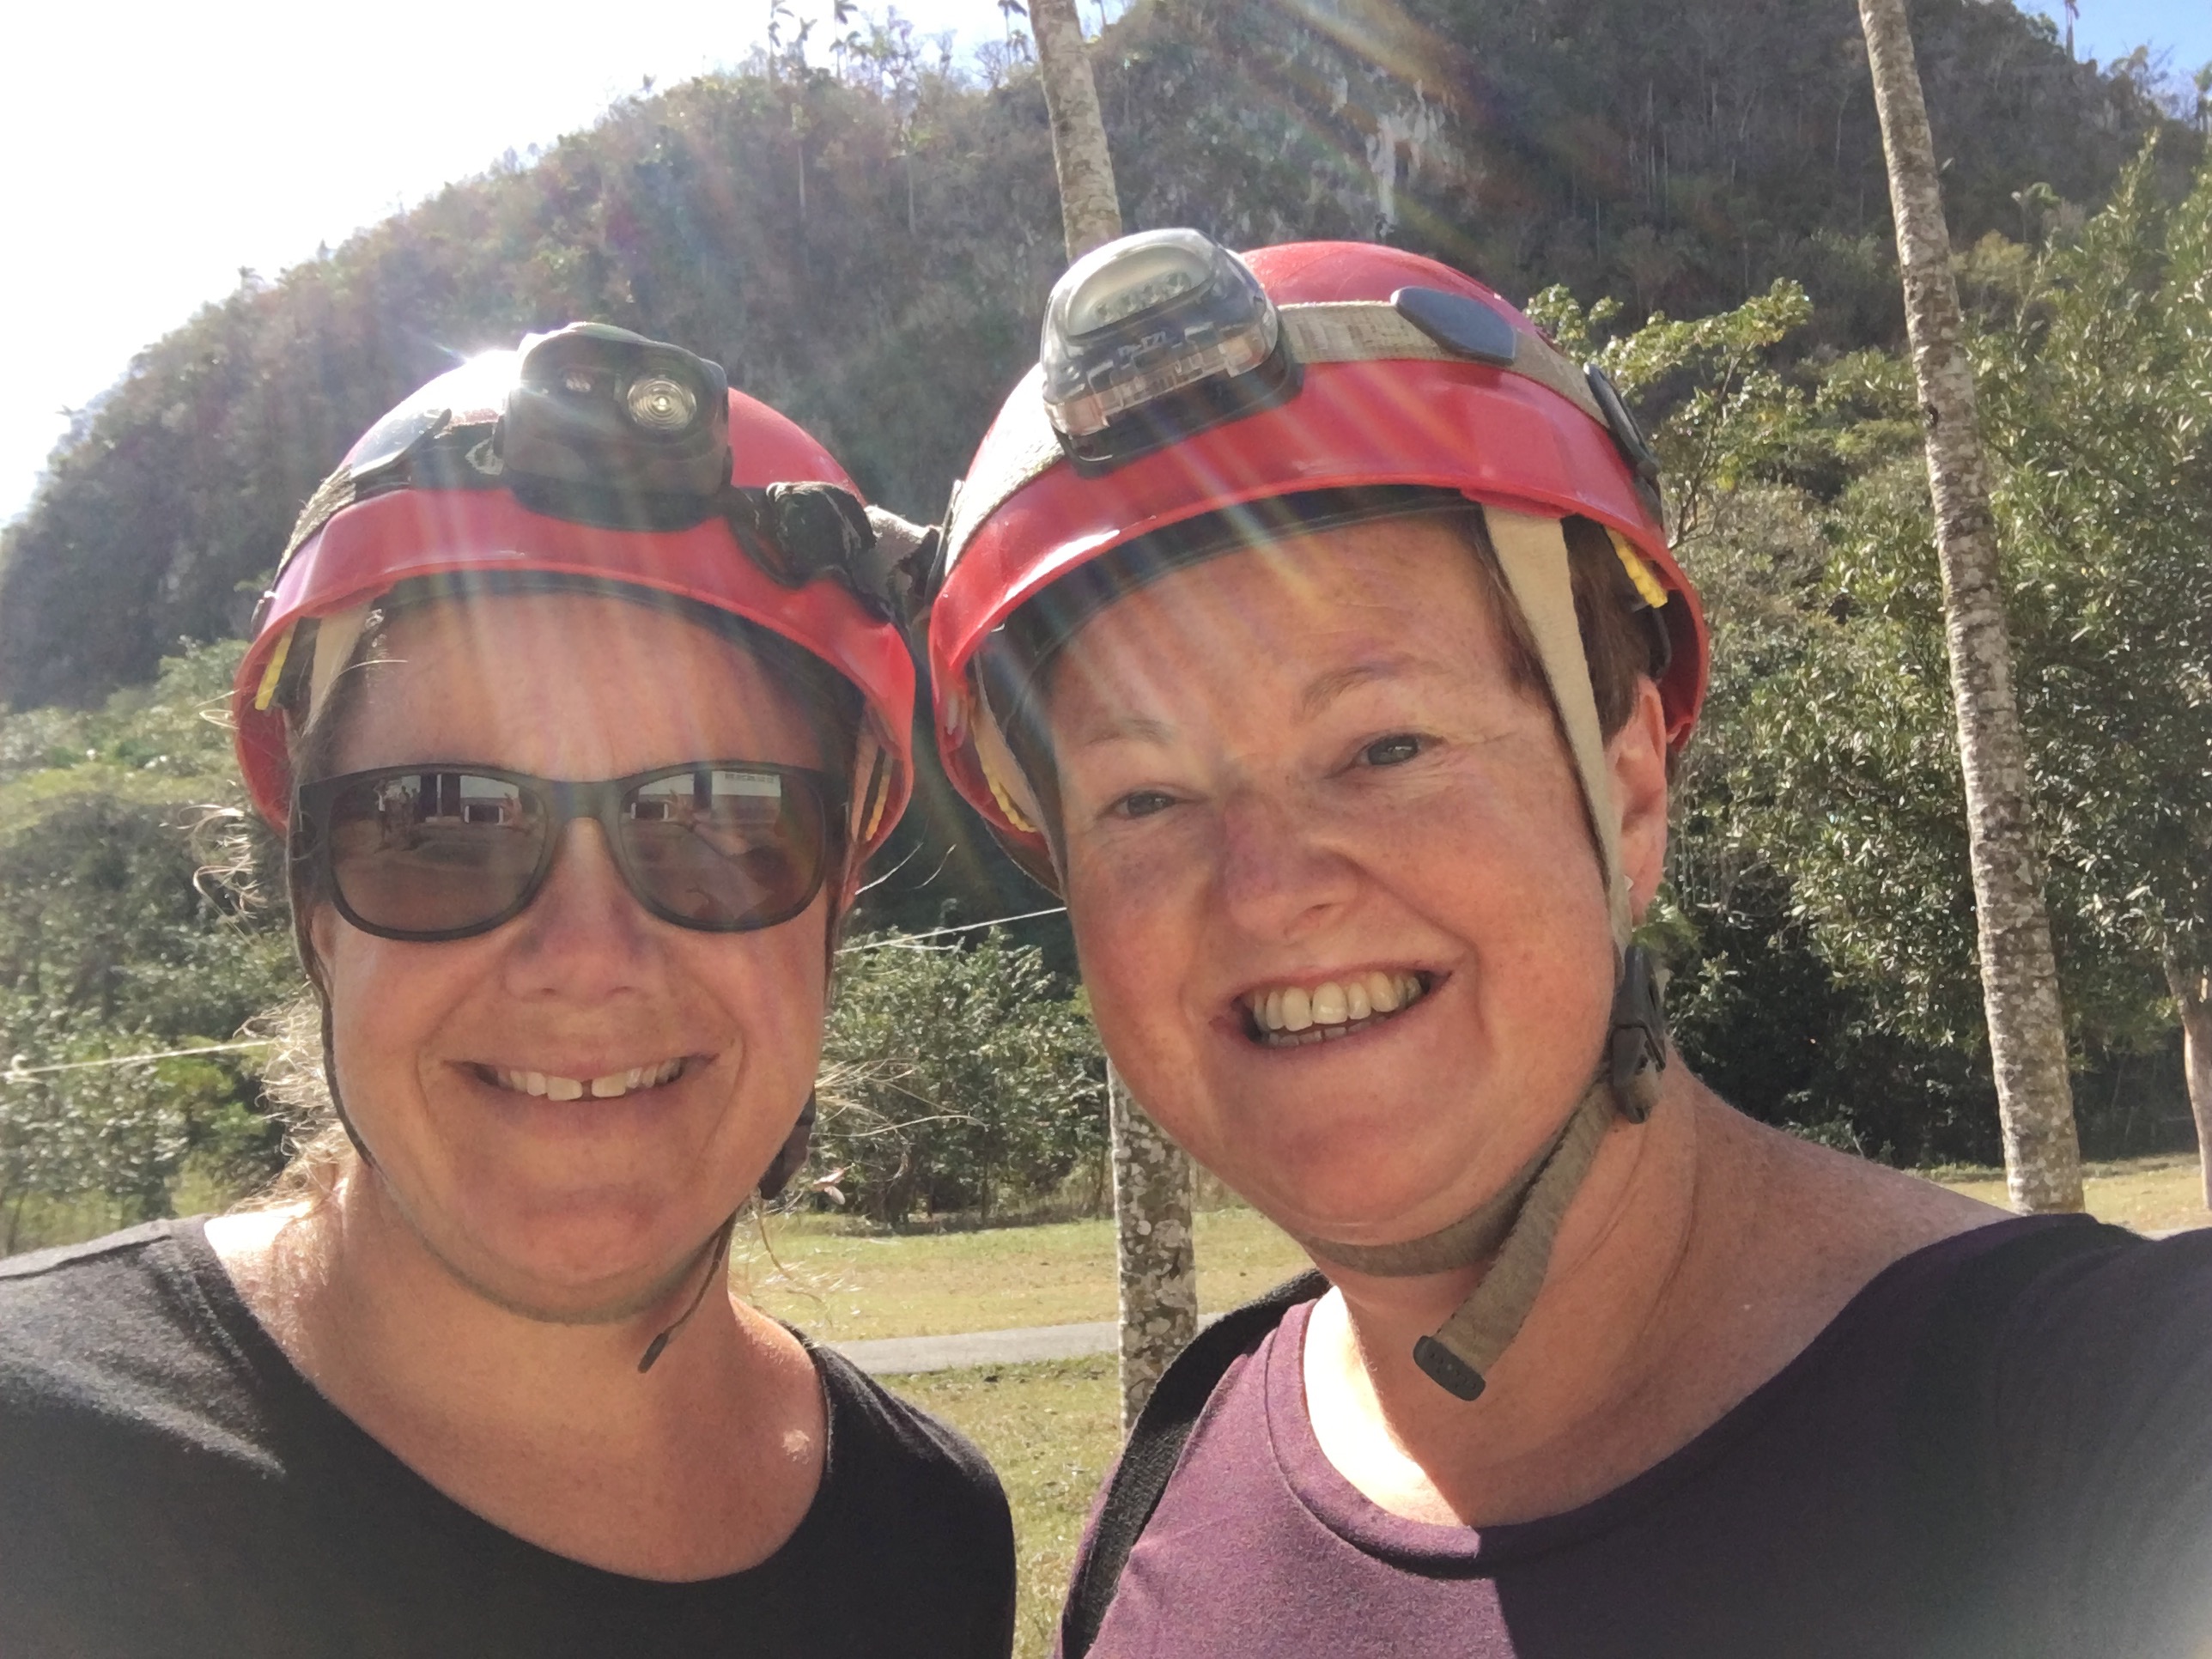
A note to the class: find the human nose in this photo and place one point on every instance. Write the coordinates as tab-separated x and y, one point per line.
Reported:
1280	878
584	935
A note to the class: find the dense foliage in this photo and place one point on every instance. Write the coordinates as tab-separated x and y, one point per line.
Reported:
126	930
1824	910
866	244
956	1080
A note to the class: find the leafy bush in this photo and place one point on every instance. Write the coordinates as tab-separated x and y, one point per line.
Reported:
116	938
956	1079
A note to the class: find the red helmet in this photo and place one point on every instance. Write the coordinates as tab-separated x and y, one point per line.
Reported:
597	456
1179	380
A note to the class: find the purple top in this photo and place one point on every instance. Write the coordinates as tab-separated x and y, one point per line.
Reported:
1786	1528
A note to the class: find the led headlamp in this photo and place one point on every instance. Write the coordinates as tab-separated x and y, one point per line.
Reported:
1155	336
608	411
598	426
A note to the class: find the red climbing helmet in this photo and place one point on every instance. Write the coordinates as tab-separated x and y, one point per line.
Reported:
1180	382
596	456
1189	402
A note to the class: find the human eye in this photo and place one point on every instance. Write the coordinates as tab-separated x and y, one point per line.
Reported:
1141	804
1395	749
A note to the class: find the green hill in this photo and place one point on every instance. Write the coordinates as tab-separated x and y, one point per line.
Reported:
868	247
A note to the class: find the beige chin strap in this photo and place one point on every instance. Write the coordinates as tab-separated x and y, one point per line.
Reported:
1514	1228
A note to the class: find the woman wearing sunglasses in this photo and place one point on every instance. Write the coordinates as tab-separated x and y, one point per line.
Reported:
1309	621
575	709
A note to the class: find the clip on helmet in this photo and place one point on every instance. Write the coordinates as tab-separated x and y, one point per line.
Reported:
597	456
1181	386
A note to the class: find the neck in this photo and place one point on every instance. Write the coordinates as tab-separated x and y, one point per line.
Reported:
1662	1204
394	1336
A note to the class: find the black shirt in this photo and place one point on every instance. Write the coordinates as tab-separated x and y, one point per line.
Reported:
170	1484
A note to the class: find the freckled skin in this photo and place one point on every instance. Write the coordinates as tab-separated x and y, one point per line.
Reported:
1295	764
586	1209
1286	765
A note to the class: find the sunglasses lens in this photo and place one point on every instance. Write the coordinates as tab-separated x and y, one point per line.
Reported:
431	853
726	849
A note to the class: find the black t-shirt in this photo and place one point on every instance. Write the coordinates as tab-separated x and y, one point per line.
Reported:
170	1484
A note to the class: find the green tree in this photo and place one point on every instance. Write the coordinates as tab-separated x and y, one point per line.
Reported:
1823	789
954	1080
119	936
2099	393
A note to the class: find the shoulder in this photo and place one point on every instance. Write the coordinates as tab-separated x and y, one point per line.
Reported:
62	1308
900	1451
1822	1224
124	1335
2124	1321
2082	1400
21	1275
915	1497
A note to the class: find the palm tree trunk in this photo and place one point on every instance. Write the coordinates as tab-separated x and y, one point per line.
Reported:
1157	1276
2192	996
1153	1179
1089	209
2019	975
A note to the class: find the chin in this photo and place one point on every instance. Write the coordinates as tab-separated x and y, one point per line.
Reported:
1358	1199
1377	1173
588	1261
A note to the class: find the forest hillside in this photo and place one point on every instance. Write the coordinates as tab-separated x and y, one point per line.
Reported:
866	241
865	234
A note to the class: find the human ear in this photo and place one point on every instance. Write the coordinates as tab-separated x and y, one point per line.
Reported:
1636	756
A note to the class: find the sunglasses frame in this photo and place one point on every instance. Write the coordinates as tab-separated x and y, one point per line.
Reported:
565	800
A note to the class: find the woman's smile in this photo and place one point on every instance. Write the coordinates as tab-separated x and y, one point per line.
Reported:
1305	1012
607	1085
568	1102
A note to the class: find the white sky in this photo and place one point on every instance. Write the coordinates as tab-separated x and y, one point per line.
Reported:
153	148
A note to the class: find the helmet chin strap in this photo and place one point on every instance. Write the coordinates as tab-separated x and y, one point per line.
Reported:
1515	1227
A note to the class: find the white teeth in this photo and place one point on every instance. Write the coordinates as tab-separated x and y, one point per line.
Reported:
1382	991
1333	1008
547	1086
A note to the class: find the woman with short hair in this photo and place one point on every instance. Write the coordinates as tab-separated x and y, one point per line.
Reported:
1309	621
576	704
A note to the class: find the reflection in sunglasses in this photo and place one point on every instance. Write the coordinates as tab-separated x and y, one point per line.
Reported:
439	854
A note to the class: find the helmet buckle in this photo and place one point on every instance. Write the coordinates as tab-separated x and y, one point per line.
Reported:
1635	1042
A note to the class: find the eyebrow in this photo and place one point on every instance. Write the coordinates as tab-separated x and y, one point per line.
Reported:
1123	729
1330	686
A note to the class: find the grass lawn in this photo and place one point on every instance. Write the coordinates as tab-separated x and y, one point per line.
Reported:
2151	1194
1051	1431
844	1284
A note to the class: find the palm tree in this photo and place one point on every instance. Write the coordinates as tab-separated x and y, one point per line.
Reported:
1151	1174
2019	975
1090	208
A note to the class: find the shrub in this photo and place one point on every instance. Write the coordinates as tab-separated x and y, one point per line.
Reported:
956	1079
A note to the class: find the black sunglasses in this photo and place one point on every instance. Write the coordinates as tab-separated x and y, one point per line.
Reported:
432	852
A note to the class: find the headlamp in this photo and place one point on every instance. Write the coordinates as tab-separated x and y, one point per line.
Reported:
613	415
1155	336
